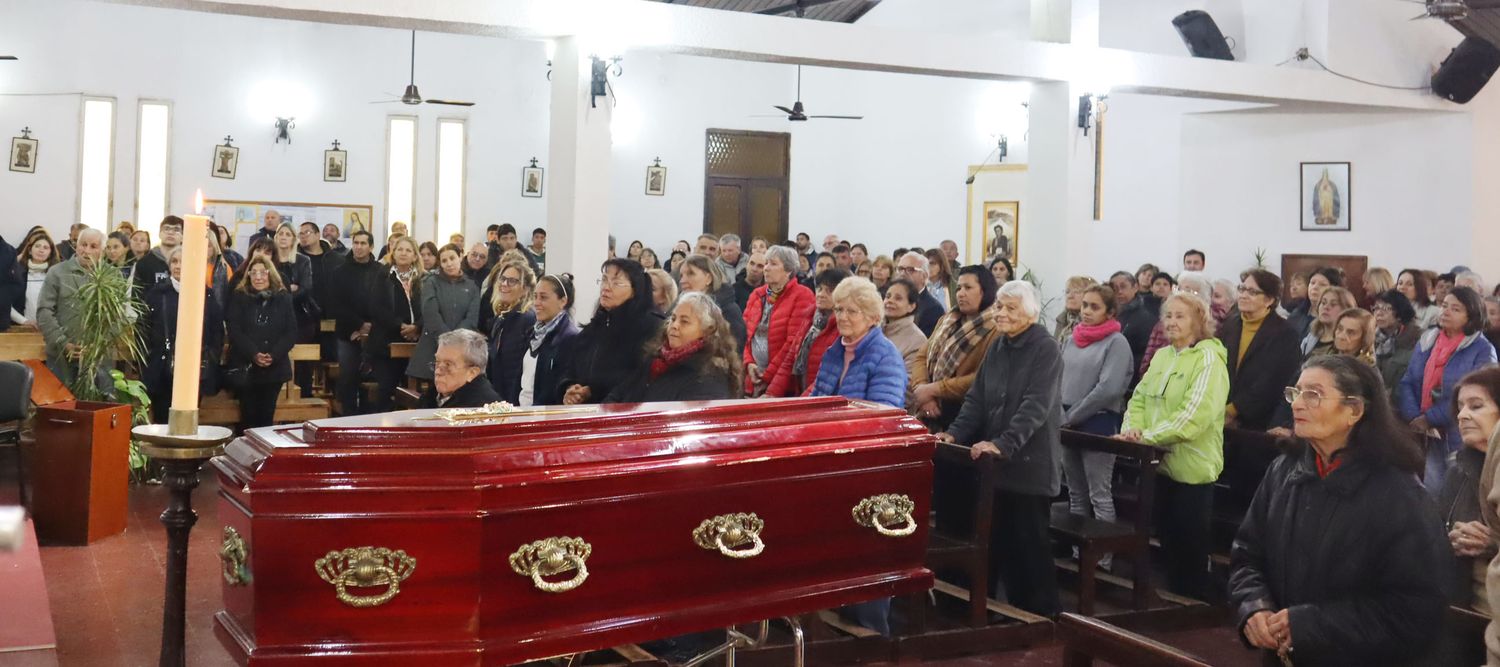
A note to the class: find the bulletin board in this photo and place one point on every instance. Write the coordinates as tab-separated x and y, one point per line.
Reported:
244	218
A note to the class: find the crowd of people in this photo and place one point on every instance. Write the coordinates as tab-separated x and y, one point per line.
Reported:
1384	391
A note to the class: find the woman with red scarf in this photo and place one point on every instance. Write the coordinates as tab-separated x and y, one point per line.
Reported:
1443	356
1096	373
694	358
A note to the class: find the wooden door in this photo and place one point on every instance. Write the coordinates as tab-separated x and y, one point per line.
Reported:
747	176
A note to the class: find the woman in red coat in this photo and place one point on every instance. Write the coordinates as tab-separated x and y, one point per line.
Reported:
777	317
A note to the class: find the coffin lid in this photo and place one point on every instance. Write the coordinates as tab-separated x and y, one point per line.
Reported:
412	442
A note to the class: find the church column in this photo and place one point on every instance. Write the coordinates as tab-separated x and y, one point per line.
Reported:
577	187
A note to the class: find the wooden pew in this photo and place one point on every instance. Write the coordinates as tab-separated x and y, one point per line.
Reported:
967	553
21	344
224	409
1095	537
1088	639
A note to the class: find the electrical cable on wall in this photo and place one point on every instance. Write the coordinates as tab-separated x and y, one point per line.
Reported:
1304	54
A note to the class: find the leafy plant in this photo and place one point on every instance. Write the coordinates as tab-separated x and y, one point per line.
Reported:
140	413
107	308
1036	281
1260	258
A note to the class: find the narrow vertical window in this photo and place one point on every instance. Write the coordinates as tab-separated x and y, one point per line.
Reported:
96	163
153	150
452	168
401	168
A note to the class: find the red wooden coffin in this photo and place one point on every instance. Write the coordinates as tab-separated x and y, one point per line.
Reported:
401	539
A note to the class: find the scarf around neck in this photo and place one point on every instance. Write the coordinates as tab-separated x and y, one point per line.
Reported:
541	330
668	358
955	337
1442	351
1085	335
37	267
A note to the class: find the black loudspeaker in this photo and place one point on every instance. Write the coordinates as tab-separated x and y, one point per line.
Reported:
1466	69
1201	35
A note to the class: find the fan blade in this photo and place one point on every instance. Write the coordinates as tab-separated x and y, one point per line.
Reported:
9	58
840	117
767	115
450	103
386	102
786	110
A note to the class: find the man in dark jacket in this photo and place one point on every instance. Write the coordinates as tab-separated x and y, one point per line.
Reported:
1013	411
152	269
502	239
752	277
268	228
324	262
11	288
361	302
913	266
477	263
458	372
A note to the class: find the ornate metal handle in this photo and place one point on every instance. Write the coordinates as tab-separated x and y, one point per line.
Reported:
232	556
553	556
727	531
882	511
365	567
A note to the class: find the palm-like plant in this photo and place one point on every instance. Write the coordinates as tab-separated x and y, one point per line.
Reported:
108	310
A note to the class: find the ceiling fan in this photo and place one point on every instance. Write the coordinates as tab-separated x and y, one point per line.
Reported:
799	113
1447	10
9	58
411	96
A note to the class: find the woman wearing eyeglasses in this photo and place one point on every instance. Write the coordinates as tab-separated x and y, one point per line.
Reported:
262	330
608	349
1263	353
1396	334
823	332
1341	557
1444	355
505	313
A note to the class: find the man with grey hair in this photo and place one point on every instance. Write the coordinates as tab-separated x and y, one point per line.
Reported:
458	379
1471	280
730	258
272	220
913	266
58	315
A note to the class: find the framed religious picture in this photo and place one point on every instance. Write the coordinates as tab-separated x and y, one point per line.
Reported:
23	154
335	165
1325	199
531	180
226	161
1002	228
656	181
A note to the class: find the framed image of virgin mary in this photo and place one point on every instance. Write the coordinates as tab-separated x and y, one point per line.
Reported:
1326	197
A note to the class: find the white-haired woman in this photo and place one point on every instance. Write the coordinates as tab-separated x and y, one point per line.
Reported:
1013	411
1179	405
1190	282
777	317
693	358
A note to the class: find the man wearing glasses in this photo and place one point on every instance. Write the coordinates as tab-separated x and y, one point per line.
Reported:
913	267
458	379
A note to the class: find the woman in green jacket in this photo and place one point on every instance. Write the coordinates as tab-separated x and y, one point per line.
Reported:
1179	406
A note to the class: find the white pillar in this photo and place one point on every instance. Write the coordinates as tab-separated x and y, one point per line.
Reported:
577	187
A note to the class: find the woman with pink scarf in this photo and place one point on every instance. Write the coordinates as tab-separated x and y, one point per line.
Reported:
1096	373
1443	356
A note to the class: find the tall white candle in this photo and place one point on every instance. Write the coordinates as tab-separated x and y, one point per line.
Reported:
190	309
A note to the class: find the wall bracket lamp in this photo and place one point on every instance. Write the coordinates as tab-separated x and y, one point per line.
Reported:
284	129
601	70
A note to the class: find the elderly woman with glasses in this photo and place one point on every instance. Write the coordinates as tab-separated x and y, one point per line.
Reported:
1341	558
1443	356
458	379
609	348
777	317
1014	412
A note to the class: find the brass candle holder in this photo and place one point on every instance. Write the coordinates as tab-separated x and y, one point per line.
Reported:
182	446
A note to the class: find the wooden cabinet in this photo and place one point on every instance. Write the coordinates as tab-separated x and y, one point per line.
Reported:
80	471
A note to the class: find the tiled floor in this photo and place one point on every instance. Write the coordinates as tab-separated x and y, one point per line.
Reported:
106	598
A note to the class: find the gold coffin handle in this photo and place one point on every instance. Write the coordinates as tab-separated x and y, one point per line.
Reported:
232	555
727	531
553	556
886	510
363	567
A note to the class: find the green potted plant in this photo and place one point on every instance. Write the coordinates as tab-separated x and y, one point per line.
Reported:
110	311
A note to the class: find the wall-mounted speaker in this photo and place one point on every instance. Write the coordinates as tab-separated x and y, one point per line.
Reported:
1466	69
1202	35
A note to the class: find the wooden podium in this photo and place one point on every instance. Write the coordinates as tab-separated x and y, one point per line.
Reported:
79	465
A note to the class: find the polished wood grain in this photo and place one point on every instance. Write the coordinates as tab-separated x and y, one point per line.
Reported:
633	481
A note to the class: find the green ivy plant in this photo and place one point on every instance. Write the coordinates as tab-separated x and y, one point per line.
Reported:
140	413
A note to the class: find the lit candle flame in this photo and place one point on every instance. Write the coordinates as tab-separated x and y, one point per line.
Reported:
198	203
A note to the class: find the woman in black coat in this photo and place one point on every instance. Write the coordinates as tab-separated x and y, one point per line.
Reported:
608	350
295	270
160	334
1341	558
262	331
549	342
694	358
1270	359
401	319
507	318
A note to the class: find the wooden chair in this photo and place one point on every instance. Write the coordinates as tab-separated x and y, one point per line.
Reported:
1095	537
971	553
1088	639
